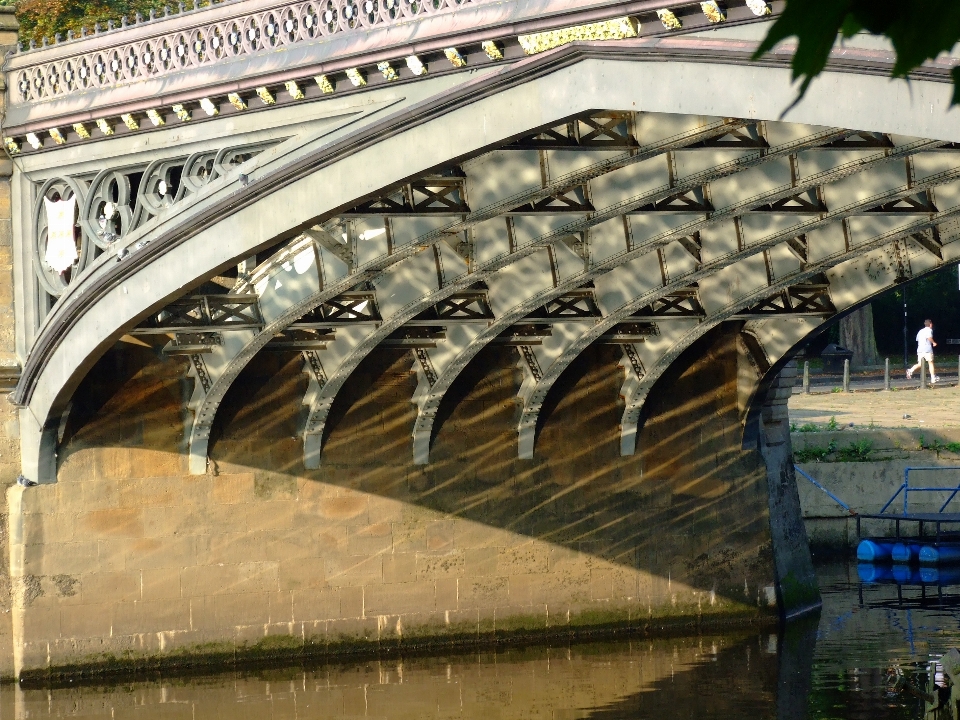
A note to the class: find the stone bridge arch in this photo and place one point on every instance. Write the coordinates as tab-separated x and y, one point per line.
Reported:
497	215
287	180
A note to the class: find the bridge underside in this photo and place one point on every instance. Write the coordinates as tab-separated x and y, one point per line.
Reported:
456	382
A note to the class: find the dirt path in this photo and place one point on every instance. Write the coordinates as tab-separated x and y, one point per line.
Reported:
933	408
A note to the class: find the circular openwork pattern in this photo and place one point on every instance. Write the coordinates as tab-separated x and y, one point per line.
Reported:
57	189
53	78
69	75
206	43
148	58
108	212
159	189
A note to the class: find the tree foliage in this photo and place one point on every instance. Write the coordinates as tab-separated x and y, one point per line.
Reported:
46	18
919	30
935	296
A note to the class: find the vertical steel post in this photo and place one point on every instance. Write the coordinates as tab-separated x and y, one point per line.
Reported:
846	374
906	492
806	377
886	374
906	362
923	373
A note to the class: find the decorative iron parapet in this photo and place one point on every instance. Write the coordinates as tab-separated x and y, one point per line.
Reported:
338	46
209	41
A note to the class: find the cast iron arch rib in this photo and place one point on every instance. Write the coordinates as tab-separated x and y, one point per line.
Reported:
206	410
536	392
635	404
529	416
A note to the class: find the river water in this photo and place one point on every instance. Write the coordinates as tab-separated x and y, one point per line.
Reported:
840	665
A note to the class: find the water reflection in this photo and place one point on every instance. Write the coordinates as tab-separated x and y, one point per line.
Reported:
871	654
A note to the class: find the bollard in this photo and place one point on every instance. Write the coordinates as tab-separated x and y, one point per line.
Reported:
846	375
923	373
886	374
806	377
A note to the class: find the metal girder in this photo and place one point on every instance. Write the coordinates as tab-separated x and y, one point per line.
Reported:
811	298
523	334
559	185
538	394
745	138
922	202
469	306
294	338
574	200
191	343
219	313
629	333
574	305
930	241
807	203
415	337
429	403
596	131
204	313
809	272
863	140
341	248
692	200
346	308
442	194
682	303
736	307
352	275
372	269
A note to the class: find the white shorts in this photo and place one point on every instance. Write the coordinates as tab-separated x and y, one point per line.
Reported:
925	356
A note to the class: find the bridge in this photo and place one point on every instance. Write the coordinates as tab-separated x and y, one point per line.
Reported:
350	325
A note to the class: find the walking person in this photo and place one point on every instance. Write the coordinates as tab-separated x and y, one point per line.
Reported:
925	346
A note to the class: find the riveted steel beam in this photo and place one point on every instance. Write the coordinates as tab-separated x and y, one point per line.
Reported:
538	394
760	295
430	402
345	276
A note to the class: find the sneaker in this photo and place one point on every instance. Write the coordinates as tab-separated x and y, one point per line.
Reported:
909	374
934	379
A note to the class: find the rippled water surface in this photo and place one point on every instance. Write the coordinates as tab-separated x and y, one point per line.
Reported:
841	666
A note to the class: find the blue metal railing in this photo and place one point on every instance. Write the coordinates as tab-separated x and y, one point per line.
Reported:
833	497
906	489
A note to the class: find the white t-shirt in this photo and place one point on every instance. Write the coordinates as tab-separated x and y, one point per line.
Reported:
923	341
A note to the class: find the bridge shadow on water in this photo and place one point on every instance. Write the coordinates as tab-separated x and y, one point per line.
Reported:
712	676
688	512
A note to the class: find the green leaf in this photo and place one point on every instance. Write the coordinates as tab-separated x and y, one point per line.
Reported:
815	24
919	30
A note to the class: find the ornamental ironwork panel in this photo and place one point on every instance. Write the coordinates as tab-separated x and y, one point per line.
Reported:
438	195
575	305
212	42
811	298
596	131
205	311
680	304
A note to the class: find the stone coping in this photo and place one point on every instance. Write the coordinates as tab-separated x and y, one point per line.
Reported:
593	626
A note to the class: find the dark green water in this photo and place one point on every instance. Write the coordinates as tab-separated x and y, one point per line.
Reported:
837	666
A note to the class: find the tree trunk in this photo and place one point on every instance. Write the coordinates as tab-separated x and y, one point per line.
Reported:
856	335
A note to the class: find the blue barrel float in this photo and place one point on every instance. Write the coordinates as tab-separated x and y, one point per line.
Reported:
903	552
905	575
871	551
939	575
870	573
939	555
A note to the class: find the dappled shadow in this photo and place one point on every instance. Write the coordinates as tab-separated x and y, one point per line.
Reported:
689	508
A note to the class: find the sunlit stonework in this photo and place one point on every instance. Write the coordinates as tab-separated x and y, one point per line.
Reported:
617	29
